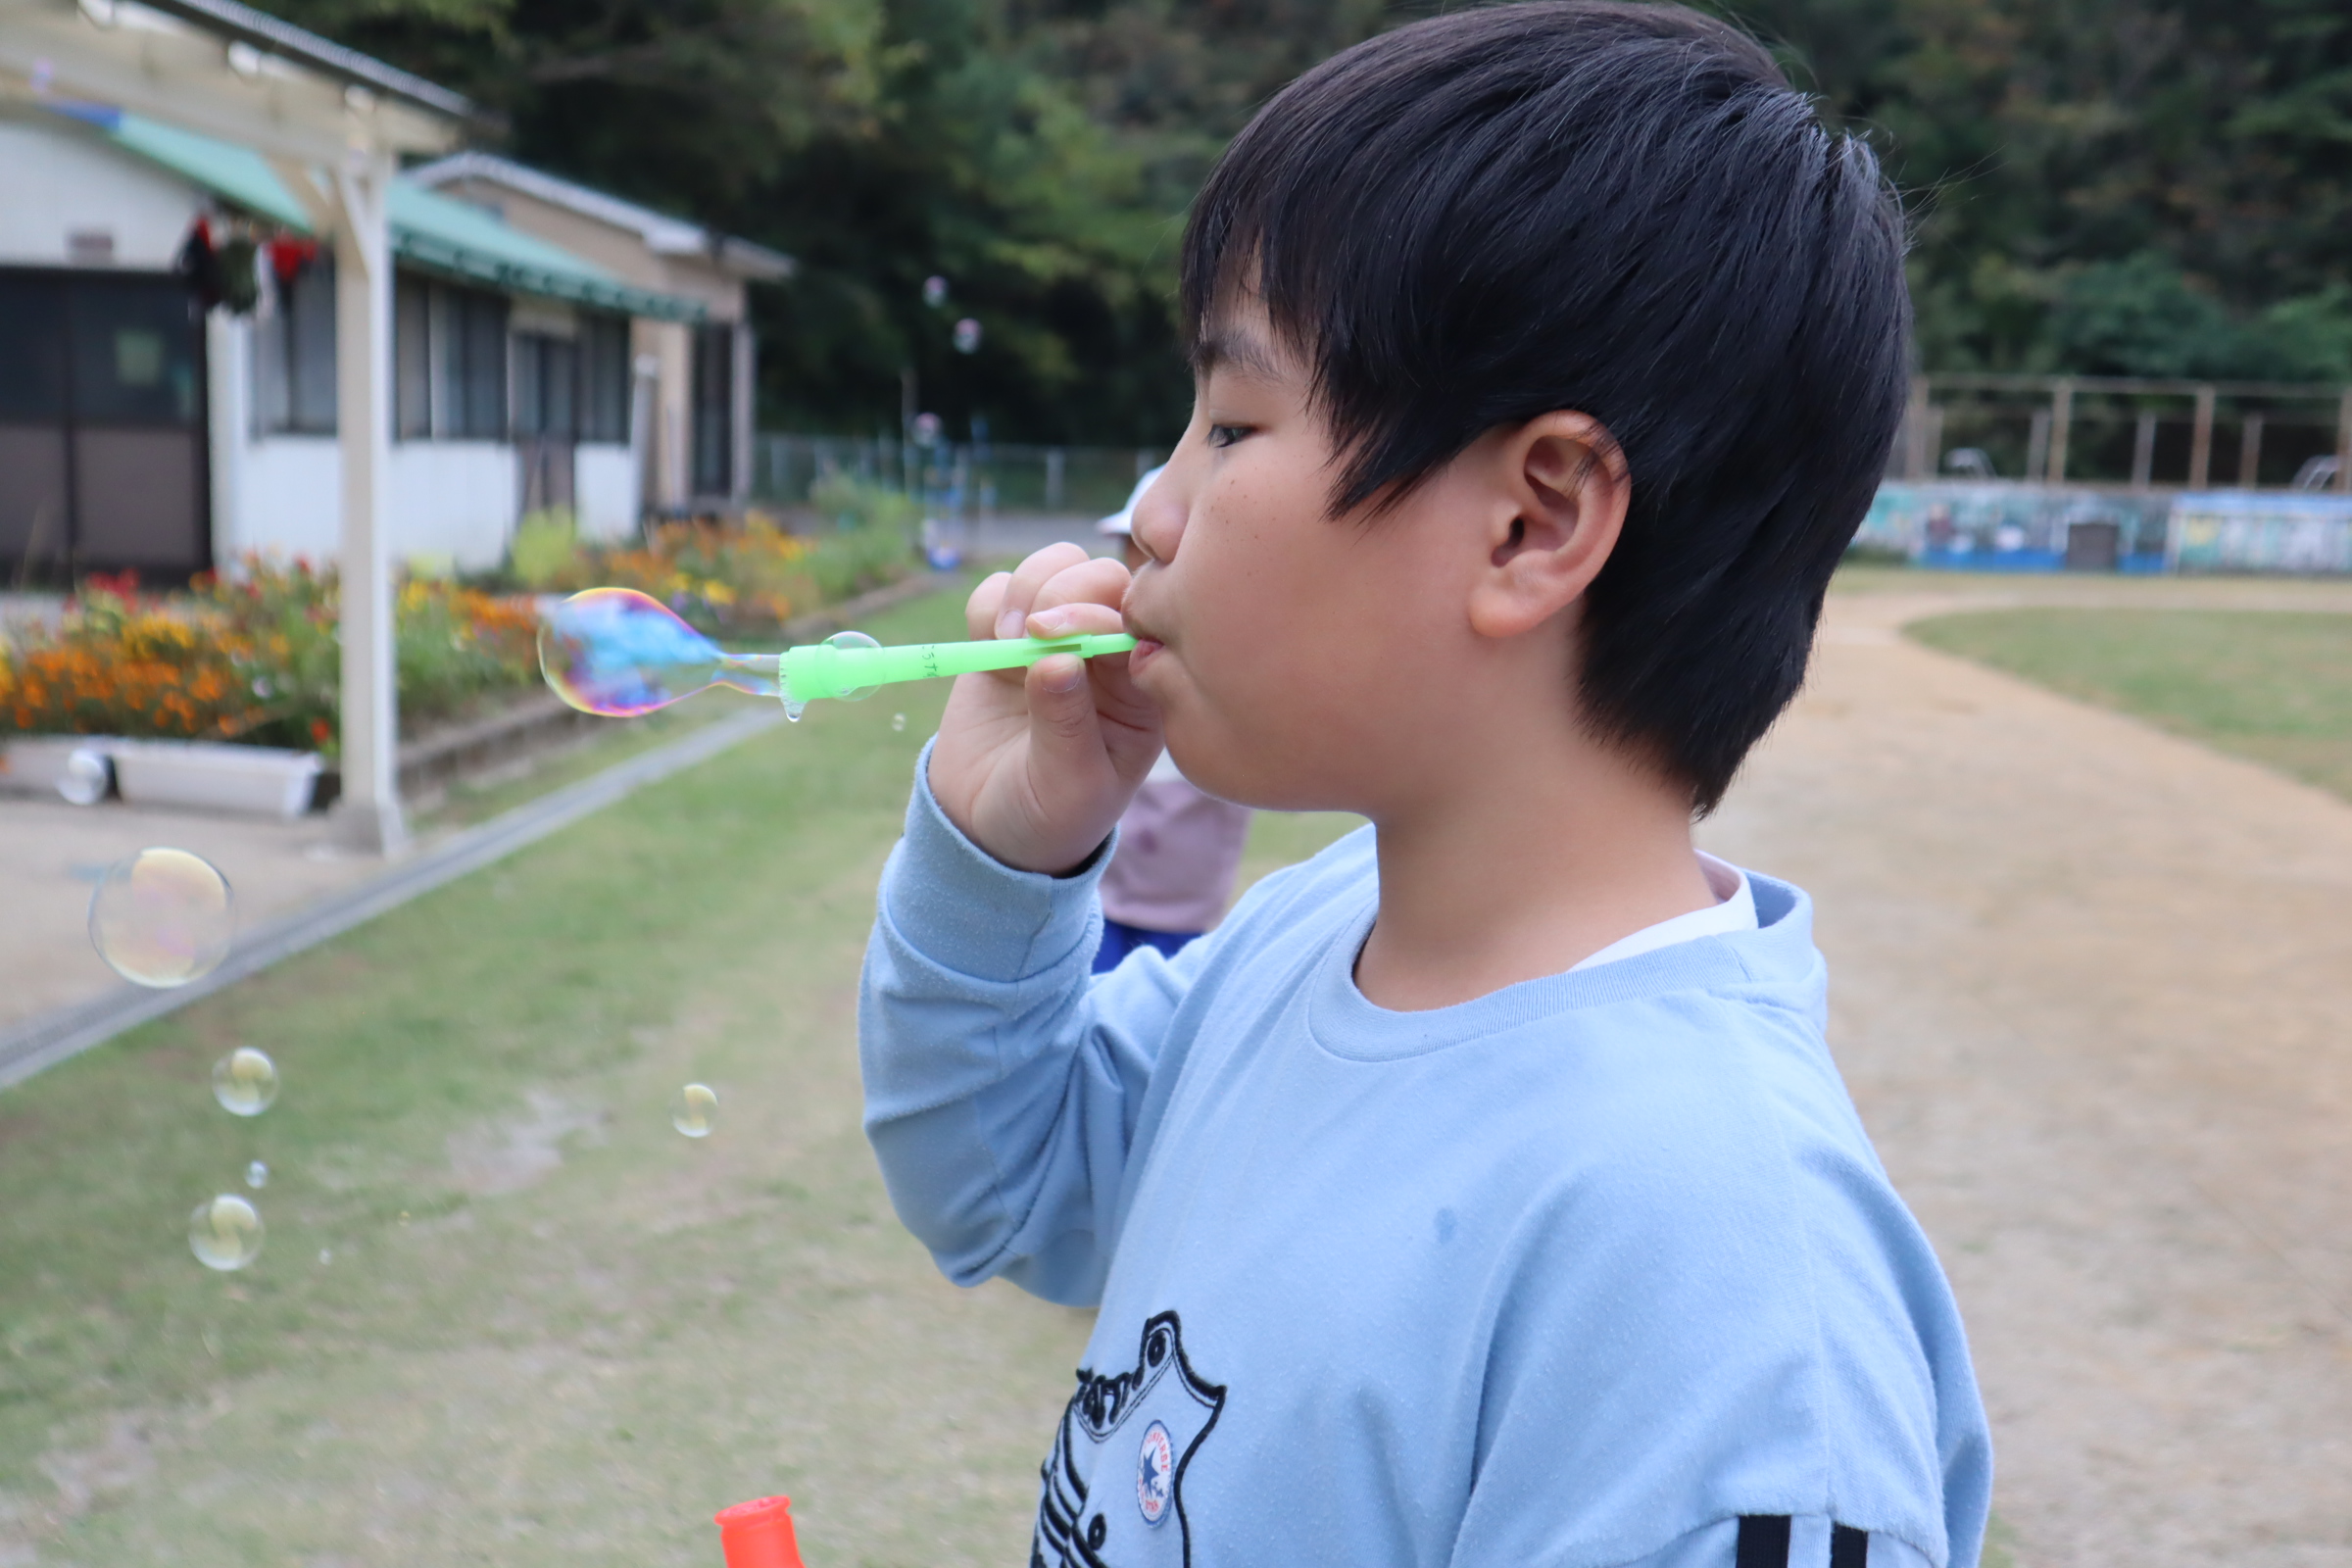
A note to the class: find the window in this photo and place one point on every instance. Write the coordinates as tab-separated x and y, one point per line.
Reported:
411	359
294	356
546	385
604	378
473	365
714	451
32	349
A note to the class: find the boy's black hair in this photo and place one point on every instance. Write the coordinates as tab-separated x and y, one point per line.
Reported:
1621	210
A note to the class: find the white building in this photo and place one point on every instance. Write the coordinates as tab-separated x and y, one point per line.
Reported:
699	452
140	430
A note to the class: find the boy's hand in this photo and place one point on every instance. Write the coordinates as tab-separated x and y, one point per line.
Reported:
1036	765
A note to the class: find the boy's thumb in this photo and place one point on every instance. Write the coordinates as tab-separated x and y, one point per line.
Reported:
1062	714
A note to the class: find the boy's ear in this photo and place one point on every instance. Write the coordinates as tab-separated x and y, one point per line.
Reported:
1560	497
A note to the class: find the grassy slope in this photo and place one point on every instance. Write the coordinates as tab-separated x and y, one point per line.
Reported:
2273	687
550	1331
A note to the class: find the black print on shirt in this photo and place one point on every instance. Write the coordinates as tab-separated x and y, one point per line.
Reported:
1112	1490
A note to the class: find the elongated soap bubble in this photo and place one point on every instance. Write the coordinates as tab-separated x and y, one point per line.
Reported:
162	917
245	1082
620	653
256	1175
694	1110
225	1233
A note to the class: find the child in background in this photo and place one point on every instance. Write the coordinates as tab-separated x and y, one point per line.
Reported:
1480	1192
1179	849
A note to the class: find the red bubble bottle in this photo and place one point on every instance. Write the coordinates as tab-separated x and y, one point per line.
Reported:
759	1535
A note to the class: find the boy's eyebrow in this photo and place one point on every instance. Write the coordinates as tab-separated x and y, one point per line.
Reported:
1234	347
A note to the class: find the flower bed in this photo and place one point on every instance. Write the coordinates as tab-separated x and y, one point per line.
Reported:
254	660
742	580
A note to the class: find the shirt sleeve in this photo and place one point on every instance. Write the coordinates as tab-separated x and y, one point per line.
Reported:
1003	1082
1804	1540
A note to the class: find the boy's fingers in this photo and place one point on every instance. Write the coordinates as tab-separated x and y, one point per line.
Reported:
1020	594
1097	583
980	611
1075	621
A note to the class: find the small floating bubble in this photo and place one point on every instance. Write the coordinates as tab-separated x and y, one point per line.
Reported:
162	917
694	1110
897	721
256	1175
325	1256
854	639
225	1233
245	1082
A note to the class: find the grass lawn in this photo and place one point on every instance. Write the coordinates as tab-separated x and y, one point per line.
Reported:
2275	687
505	1314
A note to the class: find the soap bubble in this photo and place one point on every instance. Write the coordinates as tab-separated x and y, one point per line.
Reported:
854	639
85	777
256	1175
225	1233
897	721
694	1110
163	917
245	1082
620	653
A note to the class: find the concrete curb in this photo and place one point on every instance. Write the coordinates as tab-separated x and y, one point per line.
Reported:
43	1042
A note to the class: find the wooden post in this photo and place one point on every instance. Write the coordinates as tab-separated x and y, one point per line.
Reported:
2062	419
2200	441
2249	453
369	813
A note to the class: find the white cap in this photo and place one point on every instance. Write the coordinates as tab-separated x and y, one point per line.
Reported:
1122	521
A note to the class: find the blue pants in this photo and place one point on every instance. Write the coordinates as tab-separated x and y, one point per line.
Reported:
1119	939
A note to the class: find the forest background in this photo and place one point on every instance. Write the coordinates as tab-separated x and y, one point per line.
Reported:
2159	187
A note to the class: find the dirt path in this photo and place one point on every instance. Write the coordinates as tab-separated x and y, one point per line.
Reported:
2092	989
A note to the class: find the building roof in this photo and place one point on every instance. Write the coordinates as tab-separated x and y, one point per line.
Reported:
663	234
429	229
267	35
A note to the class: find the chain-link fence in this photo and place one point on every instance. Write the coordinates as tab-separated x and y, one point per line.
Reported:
957	482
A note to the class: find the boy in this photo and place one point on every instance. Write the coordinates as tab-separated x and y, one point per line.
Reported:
1179	849
1480	1192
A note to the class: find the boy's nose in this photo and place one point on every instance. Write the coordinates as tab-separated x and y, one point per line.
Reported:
1157	520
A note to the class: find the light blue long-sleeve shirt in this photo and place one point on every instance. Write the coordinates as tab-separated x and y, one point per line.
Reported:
1576	1274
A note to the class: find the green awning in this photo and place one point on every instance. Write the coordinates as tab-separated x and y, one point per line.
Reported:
238	174
449	235
428	230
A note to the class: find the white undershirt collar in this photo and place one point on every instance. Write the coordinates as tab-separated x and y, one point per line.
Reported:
1735	910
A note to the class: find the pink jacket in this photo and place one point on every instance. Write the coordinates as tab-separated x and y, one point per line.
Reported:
1179	851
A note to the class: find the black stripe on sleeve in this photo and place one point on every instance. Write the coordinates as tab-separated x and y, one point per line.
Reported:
1763	1541
1848	1548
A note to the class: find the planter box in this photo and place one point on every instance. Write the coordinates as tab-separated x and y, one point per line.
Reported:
38	765
210	776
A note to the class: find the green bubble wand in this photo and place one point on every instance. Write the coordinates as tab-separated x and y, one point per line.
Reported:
620	653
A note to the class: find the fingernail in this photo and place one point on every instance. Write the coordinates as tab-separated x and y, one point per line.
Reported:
1062	674
1008	624
1050	622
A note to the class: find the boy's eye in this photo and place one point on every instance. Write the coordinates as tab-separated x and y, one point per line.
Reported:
1225	435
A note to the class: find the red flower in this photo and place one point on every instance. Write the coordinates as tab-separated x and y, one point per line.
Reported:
320	729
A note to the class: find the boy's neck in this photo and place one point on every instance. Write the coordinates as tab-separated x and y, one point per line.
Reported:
1524	858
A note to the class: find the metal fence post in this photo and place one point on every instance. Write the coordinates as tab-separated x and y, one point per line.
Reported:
2062	419
2249	453
2200	441
2343	441
2144	451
